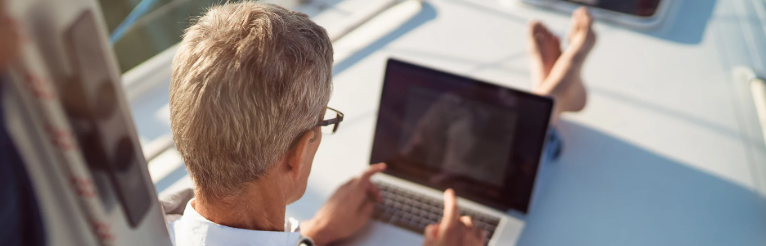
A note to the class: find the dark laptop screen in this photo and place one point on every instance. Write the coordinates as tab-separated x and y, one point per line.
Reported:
446	131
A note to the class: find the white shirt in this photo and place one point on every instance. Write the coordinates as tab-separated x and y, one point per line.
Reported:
192	229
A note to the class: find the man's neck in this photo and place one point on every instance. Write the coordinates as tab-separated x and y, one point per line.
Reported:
258	206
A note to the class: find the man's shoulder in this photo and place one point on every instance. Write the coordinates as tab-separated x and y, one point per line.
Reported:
172	227
192	231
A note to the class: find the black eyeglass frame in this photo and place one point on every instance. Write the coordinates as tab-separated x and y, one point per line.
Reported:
334	121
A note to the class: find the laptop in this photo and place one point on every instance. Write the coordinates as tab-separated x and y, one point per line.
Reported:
437	130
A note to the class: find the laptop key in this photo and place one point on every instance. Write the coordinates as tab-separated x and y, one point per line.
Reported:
423	214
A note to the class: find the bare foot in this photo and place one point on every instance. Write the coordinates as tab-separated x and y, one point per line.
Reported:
544	50
581	36
564	82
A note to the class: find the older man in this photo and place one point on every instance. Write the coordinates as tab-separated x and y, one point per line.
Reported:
248	96
249	90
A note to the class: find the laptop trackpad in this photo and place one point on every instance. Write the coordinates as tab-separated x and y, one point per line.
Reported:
379	233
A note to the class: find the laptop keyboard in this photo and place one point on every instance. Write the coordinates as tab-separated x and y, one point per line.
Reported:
413	211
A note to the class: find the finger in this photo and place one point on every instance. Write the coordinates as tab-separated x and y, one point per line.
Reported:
472	230
374	193
467	221
480	233
450	210
474	237
482	237
358	194
476	232
431	231
373	169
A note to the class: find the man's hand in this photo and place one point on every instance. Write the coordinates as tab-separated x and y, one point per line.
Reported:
453	229
346	211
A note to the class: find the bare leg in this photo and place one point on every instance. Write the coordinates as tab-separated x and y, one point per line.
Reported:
544	50
556	73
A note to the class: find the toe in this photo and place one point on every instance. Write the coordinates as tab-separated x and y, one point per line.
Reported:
581	12
537	28
534	27
582	18
541	34
536	35
581	23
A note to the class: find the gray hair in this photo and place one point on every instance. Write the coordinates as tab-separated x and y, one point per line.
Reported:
248	79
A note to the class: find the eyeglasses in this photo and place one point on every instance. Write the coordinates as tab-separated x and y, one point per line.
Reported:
331	121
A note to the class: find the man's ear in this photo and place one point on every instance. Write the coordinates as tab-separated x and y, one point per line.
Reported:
297	155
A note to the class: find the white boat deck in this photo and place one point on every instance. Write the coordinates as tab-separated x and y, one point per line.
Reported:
669	150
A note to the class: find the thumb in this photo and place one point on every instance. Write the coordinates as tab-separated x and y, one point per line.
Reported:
430	234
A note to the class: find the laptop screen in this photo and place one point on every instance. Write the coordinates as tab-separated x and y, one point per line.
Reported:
643	8
446	131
